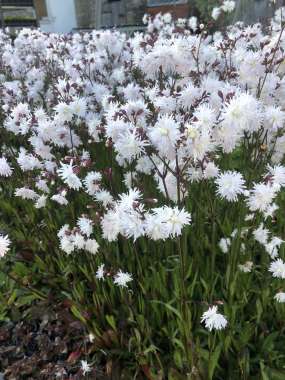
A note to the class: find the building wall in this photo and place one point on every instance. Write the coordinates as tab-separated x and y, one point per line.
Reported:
18	11
251	11
178	10
65	15
106	13
124	12
41	8
85	13
61	16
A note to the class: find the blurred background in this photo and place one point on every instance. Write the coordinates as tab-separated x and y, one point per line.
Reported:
62	16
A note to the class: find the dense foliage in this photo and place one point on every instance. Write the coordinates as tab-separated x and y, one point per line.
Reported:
142	187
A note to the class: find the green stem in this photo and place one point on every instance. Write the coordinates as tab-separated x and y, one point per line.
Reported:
186	322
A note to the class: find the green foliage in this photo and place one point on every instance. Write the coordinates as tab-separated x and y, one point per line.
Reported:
205	8
140	329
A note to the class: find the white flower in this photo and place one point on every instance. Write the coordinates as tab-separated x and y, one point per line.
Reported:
26	193
193	23
63	231
91	246
176	219
216	13
41	201
4	245
91	338
214	320
277	268
78	107
228	6
78	241
131	222
100	272
211	170
280	297
122	278
225	244
164	135
273	246
129	145
104	197
66	173
41	184
27	161
261	197
92	182
59	198
165	222
167	17
261	234
93	129
155	227
5	169
205	116
246	267
243	112
127	200
230	185
64	112
85	367
270	210
278	174
85	225
67	244
110	224
275	117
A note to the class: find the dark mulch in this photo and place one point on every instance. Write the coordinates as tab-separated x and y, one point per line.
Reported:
49	346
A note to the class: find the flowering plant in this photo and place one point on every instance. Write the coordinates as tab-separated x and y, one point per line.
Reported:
142	179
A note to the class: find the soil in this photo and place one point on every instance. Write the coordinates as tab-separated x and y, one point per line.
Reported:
47	346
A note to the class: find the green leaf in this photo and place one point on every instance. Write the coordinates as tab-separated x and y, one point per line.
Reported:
264	375
169	307
259	310
26	300
20	269
276	375
214	359
12	298
111	320
77	314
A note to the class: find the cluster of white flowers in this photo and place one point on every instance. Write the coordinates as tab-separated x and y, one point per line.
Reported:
261	234
120	278
78	238
129	218
168	106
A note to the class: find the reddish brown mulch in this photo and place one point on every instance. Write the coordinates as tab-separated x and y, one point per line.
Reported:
49	346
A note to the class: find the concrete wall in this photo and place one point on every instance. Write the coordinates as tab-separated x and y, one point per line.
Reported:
251	11
61	16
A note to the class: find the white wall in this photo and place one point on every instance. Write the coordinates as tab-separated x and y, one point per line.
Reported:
61	16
